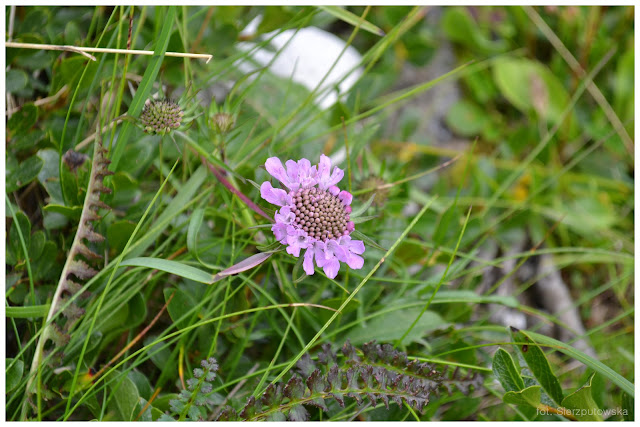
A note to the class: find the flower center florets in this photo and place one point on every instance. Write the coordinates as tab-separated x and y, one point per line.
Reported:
319	213
161	116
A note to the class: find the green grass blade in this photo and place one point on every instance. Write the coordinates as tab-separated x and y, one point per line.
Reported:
352	19
27	311
144	89
169	266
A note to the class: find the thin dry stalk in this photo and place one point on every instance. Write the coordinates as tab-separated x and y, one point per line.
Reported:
12	18
84	51
218	174
43	101
91	137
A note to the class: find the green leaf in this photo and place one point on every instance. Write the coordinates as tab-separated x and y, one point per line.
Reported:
467	296
180	306
627	407
369	241
512	76
195	413
506	371
466	118
596	365
23	174
118	234
27	311
362	219
146	416
391	326
335	303
459	26
71	212
38	240
137	311
160	355
363	208
271	247
276	416
36	19
274	18
44	265
298	413
125	187
15	80
581	403
23	120
70	184
351	18
531	87
142	384
297	273
192	233
13	375
94	340
126	397
116	319
144	88
49	175
443	227
69	71
72	33
589	215
623	93
28	141
172	267
530	396
94	405
20	226
538	363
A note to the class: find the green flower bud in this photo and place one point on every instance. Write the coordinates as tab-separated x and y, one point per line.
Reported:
161	116
222	122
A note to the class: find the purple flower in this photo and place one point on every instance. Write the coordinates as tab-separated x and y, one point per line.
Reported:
313	215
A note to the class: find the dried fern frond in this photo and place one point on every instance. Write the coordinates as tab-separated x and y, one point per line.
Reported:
76	268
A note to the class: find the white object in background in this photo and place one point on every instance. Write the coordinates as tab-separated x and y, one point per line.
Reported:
307	59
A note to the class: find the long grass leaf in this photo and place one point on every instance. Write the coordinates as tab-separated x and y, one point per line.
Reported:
144	89
27	311
169	266
352	19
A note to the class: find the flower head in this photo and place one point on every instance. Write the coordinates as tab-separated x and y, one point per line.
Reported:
161	116
314	214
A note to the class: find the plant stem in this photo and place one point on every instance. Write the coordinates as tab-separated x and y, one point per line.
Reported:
83	50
